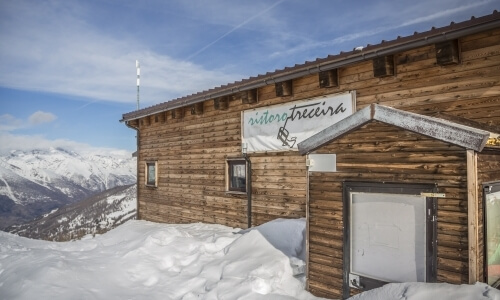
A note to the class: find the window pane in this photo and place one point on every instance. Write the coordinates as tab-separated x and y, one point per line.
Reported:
493	238
151	174
237	176
388	236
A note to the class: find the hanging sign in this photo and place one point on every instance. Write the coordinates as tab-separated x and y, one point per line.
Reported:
282	127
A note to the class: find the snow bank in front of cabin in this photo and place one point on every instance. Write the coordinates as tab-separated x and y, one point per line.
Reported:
286	235
426	291
143	260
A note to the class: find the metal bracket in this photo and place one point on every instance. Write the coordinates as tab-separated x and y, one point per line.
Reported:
354	282
433	195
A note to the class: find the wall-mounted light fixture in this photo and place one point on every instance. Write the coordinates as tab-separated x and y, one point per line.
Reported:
244	149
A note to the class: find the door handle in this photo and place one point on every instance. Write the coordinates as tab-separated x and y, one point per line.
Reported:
357	285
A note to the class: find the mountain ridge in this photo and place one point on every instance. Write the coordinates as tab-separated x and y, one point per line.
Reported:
94	215
34	182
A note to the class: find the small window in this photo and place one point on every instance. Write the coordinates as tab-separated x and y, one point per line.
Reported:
152	173
237	176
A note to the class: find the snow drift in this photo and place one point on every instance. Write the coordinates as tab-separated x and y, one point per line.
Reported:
143	260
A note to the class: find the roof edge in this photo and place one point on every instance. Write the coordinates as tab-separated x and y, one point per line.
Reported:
335	131
443	130
450	32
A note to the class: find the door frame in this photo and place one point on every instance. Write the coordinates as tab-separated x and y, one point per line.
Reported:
391	188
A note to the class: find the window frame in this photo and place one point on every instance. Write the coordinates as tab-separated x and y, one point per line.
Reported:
147	164
349	187
229	175
488	188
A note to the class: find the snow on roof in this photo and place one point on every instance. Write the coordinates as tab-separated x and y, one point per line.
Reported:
443	130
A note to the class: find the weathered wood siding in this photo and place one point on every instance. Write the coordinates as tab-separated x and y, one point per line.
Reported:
191	152
382	153
379	152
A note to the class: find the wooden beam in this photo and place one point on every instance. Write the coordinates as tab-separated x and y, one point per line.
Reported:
383	66
307	228
473	216
133	123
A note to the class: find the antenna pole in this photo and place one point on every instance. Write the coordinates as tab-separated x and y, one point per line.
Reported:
138	67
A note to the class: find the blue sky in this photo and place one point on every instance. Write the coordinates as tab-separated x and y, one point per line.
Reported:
68	67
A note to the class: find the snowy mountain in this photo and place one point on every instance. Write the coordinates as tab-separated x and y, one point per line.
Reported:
35	182
95	215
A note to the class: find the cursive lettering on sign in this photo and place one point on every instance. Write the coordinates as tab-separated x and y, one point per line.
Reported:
304	111
266	118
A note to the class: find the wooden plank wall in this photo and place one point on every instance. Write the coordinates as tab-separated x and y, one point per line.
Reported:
382	153
377	152
192	152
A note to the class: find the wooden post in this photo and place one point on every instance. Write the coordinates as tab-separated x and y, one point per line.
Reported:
307	227
473	214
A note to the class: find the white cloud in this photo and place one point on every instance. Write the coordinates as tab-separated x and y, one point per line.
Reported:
12	142
50	47
59	47
40	117
9	123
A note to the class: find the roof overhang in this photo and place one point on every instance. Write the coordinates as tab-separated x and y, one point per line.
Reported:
443	130
453	31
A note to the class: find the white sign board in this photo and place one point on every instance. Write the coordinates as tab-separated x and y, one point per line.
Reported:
322	162
282	127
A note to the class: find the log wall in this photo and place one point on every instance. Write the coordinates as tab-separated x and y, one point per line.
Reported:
379	152
191	151
382	153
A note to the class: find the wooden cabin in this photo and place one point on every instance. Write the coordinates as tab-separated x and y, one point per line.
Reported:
389	152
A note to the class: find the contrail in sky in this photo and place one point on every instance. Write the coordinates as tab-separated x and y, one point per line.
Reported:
373	31
234	29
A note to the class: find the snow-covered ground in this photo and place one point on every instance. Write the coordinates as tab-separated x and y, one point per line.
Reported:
144	260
